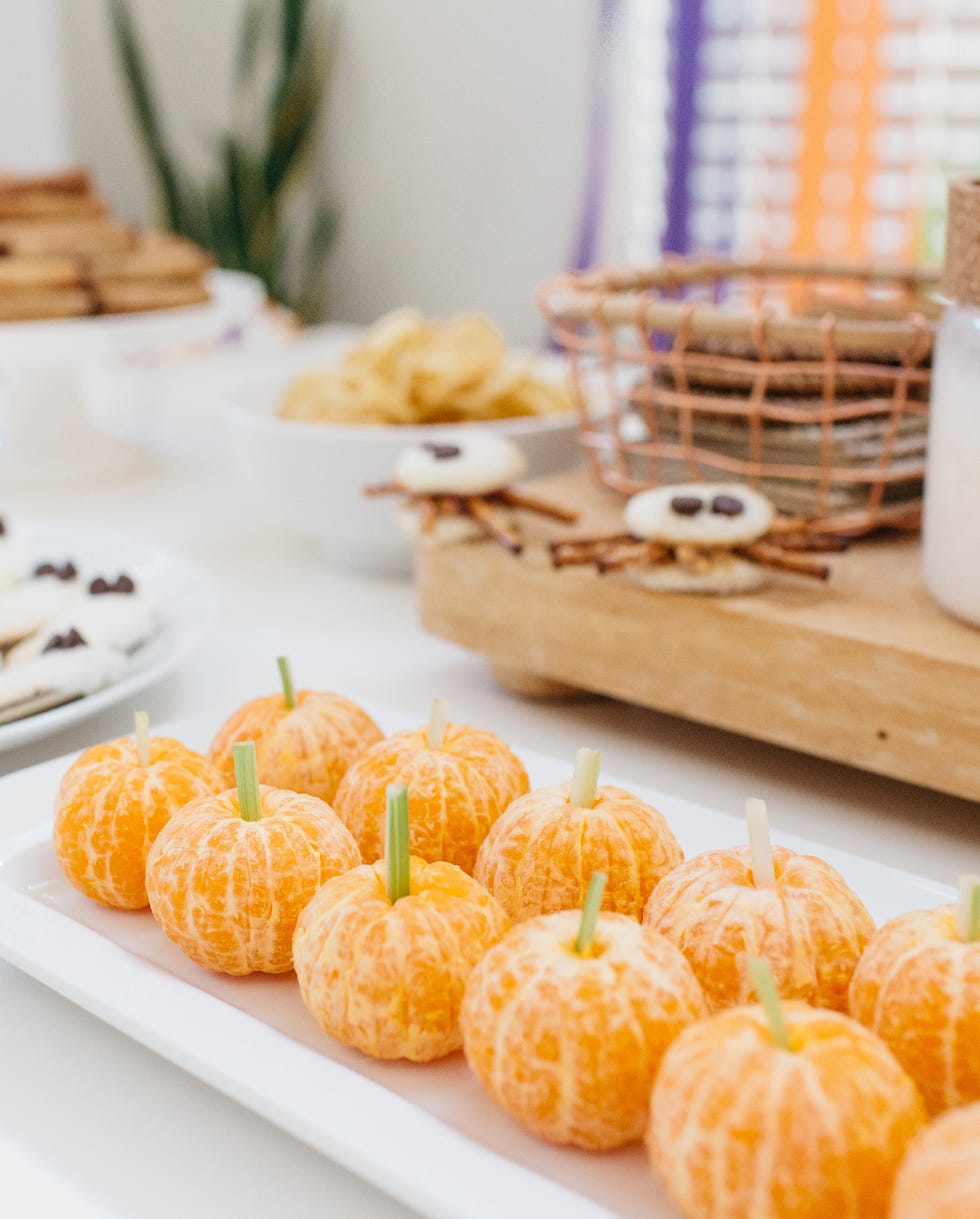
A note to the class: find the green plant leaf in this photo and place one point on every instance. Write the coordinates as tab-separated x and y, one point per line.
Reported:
253	22
145	111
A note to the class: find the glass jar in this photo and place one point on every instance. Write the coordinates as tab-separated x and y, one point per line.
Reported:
951	518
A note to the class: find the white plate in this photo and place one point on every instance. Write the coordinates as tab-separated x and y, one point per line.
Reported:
186	602
425	1134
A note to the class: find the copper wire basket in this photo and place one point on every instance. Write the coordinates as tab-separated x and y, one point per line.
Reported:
808	381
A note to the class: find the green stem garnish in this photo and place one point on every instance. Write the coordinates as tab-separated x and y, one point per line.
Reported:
585	779
247	779
765	988
438	723
287	682
968	913
397	867
142	724
590	913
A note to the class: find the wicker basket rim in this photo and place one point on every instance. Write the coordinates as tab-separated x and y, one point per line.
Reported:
612	296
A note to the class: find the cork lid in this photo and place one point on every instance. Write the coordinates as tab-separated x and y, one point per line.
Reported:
961	271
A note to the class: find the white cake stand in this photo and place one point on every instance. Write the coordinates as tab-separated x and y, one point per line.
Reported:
44	433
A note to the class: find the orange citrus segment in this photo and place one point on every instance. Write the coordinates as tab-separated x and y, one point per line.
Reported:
741	1128
810	926
389	978
110	809
569	1044
307	749
540	855
228	892
455	793
918	987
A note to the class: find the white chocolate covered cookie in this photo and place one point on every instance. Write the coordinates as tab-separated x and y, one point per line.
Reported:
56	677
445	531
726	576
30	606
700	514
107	620
478	463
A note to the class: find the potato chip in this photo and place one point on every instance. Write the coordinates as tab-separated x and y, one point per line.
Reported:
408	371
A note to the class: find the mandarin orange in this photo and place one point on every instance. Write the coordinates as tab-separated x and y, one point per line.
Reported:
940	1175
305	741
808	924
111	806
918	987
539	856
459	779
388	976
741	1128
228	878
569	1041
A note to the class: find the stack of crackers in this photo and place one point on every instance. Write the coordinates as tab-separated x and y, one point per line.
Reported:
63	255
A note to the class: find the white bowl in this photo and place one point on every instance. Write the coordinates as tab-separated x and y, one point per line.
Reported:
311	476
50	376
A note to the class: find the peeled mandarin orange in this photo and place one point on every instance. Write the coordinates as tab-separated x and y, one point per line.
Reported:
918	987
742	1129
388	977
228	891
456	792
307	747
940	1175
110	809
568	1042
808	924
539	856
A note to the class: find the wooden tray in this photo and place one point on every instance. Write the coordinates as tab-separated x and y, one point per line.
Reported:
864	670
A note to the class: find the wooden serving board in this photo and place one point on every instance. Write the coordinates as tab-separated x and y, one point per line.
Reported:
865	669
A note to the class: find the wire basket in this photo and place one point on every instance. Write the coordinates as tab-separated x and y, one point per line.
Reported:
810	382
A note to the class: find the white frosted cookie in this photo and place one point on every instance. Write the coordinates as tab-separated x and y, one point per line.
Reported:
14	562
478	463
31	605
700	514
726	576
121	621
56	677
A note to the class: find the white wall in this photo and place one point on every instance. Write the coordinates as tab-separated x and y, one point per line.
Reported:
455	141
33	109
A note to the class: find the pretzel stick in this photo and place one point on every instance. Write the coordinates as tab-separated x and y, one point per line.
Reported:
636	552
819	543
428	515
575	558
383	489
491	524
771	556
530	503
585	543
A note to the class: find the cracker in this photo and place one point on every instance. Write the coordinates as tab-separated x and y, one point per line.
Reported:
155	257
51	205
52	271
44	304
141	296
82	237
72	181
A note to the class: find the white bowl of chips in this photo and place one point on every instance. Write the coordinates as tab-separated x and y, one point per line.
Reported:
310	471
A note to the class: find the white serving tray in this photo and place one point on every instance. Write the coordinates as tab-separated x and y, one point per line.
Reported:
426	1134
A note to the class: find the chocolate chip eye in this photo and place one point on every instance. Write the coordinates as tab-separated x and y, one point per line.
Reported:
686	505
101	585
727	505
65	572
442	452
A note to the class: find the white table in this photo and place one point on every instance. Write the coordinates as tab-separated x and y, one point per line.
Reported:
94	1123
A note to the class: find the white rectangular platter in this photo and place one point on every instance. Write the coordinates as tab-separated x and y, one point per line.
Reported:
424	1133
